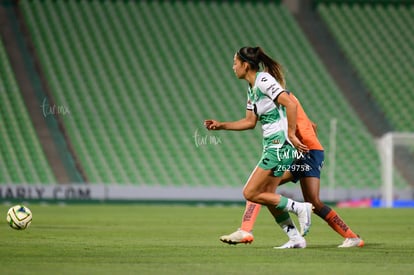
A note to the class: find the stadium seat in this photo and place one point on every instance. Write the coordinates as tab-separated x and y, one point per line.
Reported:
21	155
141	76
375	38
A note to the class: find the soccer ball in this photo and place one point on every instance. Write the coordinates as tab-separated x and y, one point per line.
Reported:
19	217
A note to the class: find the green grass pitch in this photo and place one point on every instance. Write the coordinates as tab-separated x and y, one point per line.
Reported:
180	239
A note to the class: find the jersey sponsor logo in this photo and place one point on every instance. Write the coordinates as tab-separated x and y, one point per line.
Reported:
264	79
273	88
276	141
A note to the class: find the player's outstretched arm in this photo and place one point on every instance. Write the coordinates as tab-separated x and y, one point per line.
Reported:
249	122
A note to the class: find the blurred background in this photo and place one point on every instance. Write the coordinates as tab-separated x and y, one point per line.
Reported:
104	100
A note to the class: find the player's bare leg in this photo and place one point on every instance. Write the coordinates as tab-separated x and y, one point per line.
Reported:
261	187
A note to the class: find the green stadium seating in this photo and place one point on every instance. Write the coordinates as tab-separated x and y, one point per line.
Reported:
141	76
21	156
376	39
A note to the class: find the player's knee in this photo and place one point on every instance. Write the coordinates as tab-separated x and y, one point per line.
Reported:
315	201
249	194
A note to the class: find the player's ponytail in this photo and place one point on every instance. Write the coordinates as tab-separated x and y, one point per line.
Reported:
256	56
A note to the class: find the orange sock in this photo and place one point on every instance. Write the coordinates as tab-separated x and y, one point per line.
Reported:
339	225
249	217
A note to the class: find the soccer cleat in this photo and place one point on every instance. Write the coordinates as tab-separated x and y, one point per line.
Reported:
239	236
293	243
352	242
304	217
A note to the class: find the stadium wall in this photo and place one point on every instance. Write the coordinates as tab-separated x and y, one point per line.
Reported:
144	193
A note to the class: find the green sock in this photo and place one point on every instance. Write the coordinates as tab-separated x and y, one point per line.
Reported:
283	203
282	217
287	225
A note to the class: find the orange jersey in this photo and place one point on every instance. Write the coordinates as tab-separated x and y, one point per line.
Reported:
304	129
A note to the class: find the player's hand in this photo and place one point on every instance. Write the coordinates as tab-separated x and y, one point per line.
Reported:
298	144
211	124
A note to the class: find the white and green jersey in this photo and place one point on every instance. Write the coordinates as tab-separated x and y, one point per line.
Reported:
260	100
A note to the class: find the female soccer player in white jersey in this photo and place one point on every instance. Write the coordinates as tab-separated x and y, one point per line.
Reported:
268	103
306	169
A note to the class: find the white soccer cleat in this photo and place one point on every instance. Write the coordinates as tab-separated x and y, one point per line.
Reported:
239	236
293	243
304	217
352	242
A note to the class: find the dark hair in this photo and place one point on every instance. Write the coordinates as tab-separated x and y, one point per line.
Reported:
256	56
